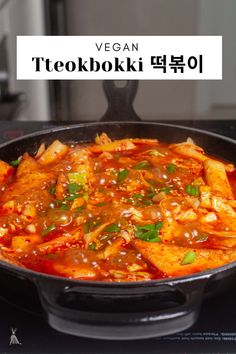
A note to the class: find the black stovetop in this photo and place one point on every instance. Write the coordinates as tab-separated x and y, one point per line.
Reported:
214	332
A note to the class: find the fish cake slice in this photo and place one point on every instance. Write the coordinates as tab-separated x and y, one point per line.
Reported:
169	258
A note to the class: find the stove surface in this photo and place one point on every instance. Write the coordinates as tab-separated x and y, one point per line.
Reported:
214	332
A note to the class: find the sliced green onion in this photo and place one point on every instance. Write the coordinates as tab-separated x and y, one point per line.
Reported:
15	163
92	246
112	228
90	225
102	190
73	197
151	195
149	233
171	168
189	258
158	225
122	175
165	190
74	188
64	207
142	165
79	208
48	230
155	239
58	203
138	196
147	202
152	185
192	190
52	189
101	204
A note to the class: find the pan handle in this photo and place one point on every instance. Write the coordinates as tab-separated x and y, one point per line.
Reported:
109	322
120	100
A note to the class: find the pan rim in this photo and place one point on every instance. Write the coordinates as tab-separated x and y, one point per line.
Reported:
84	125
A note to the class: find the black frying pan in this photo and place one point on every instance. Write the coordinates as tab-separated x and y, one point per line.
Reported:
119	310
